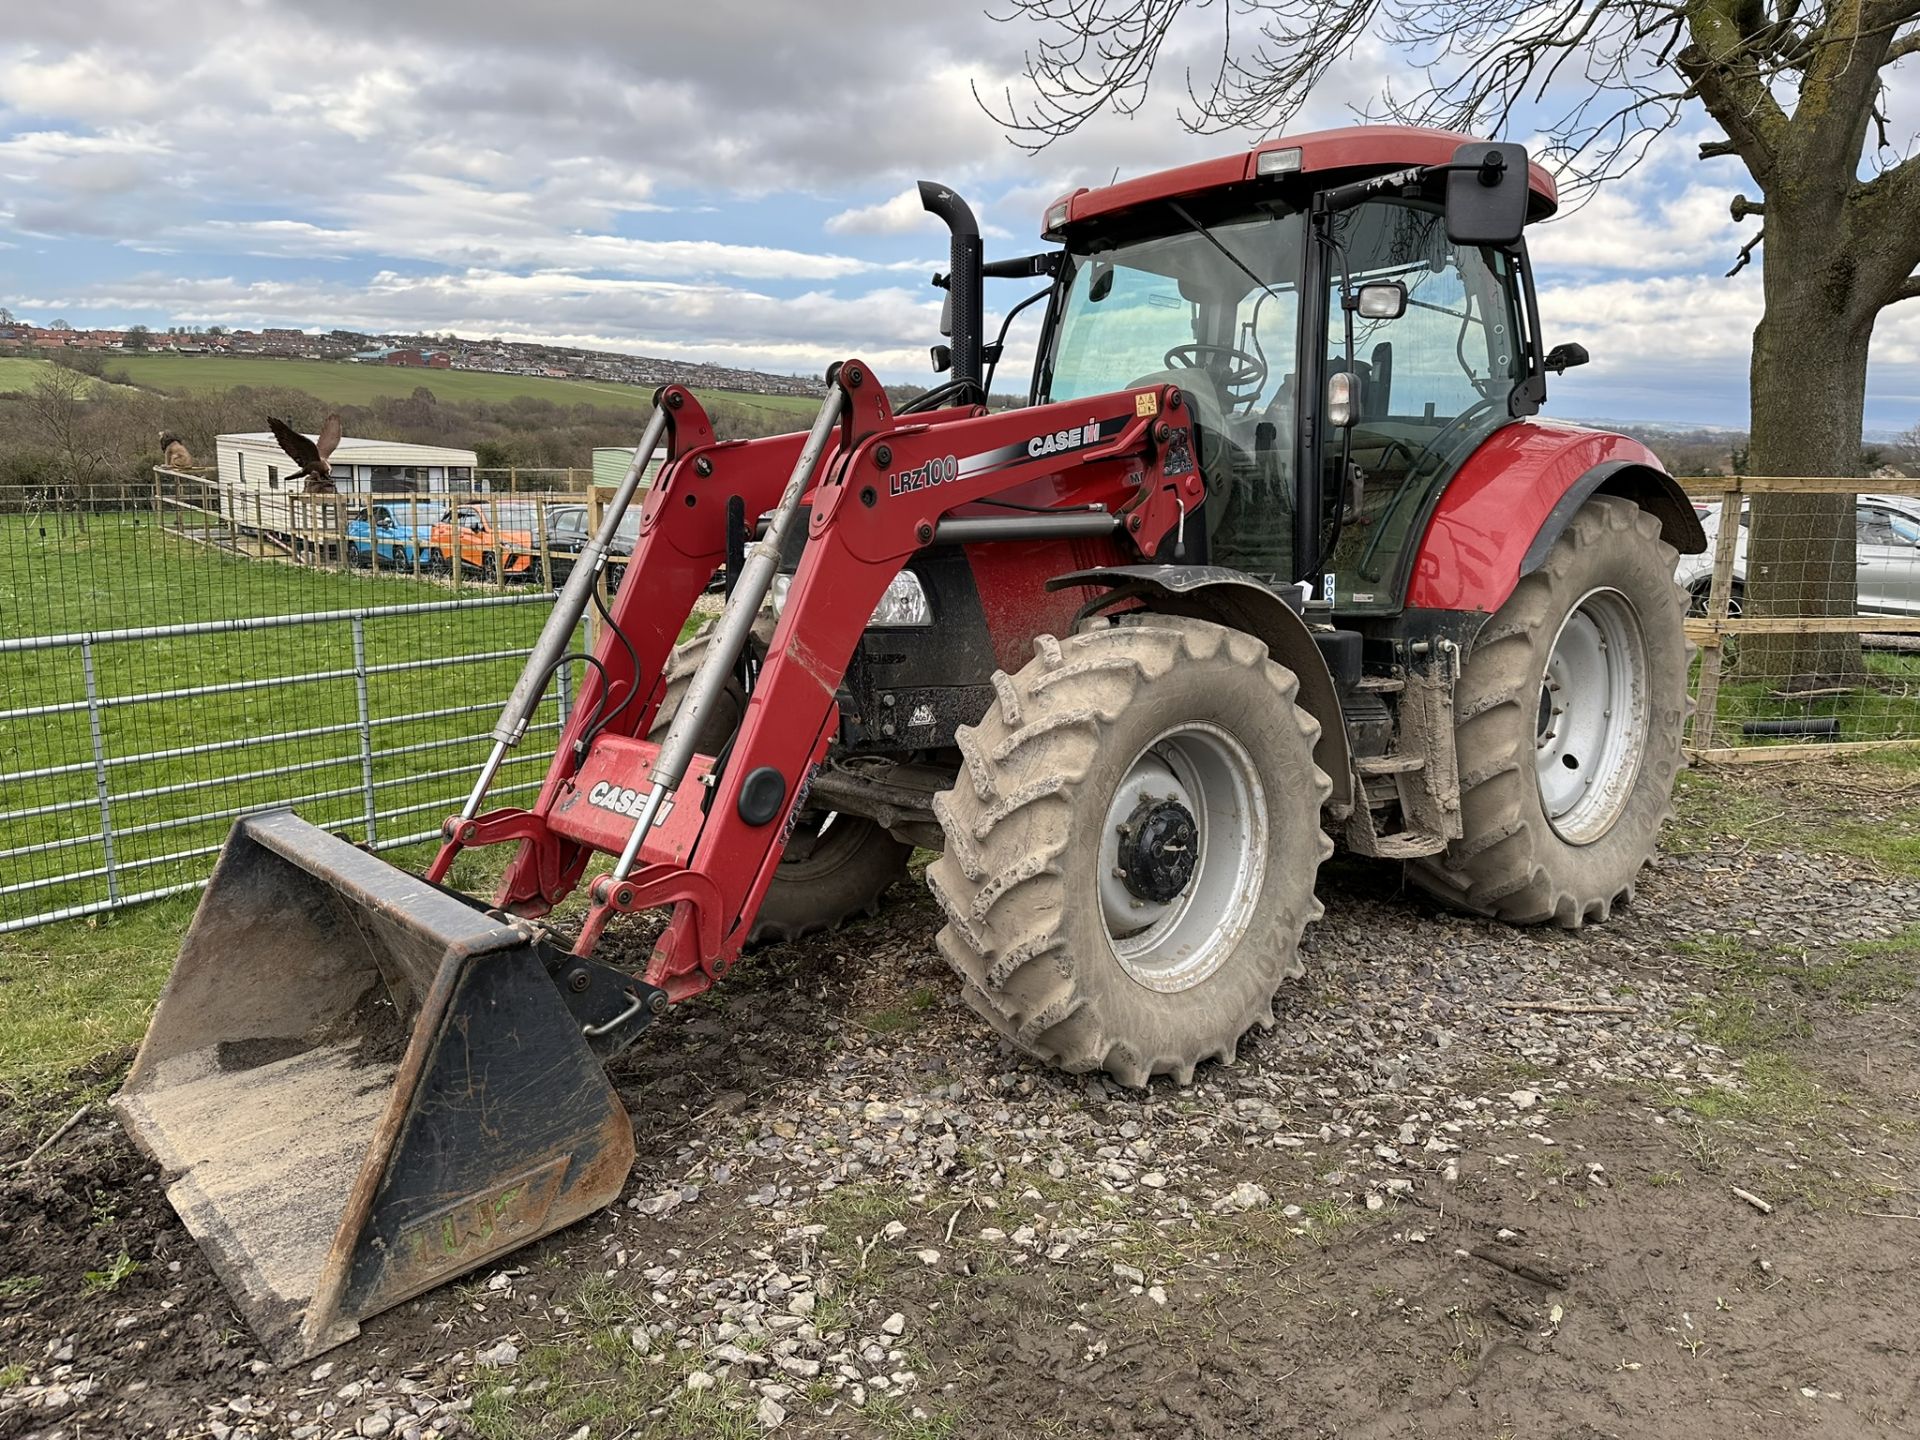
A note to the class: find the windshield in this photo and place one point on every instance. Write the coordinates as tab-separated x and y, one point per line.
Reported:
1224	302
1218	314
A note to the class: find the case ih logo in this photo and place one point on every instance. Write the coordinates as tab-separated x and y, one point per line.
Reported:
622	800
1061	441
943	470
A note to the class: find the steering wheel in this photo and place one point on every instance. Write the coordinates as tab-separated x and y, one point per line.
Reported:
1241	377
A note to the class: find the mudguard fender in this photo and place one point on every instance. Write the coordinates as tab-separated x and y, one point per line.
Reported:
1231	598
1515	496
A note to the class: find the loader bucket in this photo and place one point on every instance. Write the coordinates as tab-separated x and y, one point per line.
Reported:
358	1086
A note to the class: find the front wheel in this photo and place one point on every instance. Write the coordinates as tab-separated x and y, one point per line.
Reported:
1131	847
835	867
1570	713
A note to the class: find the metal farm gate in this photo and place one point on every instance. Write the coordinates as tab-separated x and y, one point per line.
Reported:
126	753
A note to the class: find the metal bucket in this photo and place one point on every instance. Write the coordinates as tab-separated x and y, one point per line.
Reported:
359	1085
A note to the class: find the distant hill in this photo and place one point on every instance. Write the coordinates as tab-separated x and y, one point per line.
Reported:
341	383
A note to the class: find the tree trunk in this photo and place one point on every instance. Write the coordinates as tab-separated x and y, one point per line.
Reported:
1809	373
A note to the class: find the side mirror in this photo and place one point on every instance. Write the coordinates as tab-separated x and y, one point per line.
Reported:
1487	194
1383	300
946	315
1563	358
1343	399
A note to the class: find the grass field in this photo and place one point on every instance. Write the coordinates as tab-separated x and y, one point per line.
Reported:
59	575
74	988
19	374
342	383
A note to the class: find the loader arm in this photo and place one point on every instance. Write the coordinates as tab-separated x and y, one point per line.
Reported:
880	493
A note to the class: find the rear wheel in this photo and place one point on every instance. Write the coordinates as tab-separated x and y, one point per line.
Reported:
1570	713
835	867
1131	847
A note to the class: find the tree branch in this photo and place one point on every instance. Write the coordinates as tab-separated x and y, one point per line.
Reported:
1726	77
1746	252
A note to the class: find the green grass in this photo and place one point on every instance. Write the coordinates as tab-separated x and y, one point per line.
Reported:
58	576
1761	1009
340	382
107	1280
78	989
1886	709
606	1385
1710	805
21	374
72	991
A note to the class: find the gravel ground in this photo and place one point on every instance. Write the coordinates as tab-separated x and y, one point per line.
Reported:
1475	1181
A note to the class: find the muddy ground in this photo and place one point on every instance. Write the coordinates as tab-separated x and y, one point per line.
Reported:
1639	1181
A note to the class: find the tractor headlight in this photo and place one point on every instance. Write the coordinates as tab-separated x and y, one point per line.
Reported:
905	602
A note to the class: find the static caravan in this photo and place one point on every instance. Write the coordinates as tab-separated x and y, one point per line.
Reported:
254	470
611	463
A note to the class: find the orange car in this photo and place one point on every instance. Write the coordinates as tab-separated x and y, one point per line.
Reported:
494	539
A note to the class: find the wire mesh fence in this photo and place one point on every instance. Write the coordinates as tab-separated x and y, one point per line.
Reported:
166	665
1806	609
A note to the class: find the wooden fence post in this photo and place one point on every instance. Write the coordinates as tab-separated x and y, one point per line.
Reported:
1719	593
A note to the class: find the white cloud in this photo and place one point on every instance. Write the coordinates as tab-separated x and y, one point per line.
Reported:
902	214
731	178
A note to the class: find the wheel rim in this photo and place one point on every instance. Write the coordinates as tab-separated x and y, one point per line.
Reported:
1591	728
1213	861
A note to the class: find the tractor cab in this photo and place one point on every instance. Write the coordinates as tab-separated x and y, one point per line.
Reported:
1343	345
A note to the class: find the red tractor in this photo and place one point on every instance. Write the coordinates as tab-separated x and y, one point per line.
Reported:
1276	558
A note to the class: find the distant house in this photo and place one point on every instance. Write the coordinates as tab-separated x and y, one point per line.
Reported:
253	474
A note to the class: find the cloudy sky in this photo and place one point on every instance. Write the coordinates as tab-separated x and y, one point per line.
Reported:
723	180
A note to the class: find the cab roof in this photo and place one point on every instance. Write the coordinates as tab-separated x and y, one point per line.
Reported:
1356	148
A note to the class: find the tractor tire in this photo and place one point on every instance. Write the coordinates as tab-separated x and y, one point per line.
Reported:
1131	847
836	867
1569	714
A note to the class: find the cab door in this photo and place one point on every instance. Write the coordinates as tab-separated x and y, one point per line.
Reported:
1433	382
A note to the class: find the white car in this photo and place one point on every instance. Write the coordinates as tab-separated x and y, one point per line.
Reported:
1888	558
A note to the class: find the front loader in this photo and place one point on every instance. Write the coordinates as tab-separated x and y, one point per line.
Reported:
1276	558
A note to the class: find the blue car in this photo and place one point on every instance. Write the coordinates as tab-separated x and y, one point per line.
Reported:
398	529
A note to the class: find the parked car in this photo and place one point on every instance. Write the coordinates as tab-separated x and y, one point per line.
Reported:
494	538
1887	537
394	530
569	527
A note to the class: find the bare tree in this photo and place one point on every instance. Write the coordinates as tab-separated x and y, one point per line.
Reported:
59	411
1906	445
1797	91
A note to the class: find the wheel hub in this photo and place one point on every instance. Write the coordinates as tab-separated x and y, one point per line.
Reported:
1184	856
1591	725
1159	847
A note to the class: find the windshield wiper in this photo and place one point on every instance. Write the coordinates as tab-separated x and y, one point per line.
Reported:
1214	240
